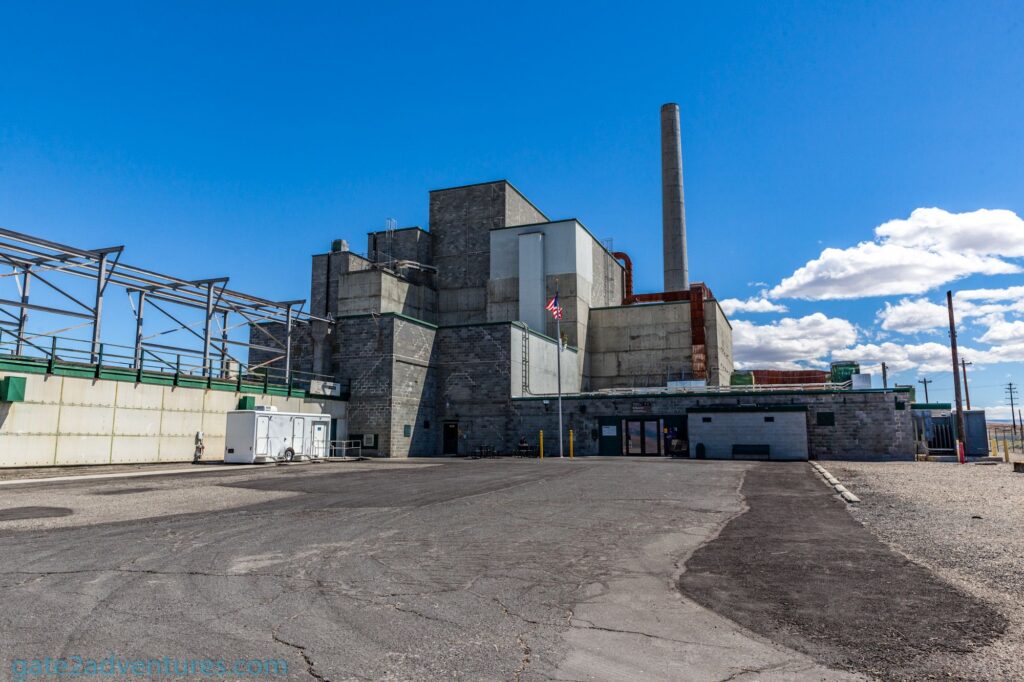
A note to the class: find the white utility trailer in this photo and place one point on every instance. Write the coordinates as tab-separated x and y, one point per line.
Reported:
266	435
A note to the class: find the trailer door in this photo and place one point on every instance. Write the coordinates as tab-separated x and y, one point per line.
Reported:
298	426
262	435
319	439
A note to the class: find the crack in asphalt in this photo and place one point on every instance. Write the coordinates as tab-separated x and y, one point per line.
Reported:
310	668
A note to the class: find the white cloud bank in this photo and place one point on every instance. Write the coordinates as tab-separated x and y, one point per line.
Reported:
751	305
930	248
785	343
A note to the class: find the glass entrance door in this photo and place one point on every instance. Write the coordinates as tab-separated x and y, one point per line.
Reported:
643	437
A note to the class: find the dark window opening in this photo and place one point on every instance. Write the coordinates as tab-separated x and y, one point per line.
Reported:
826	419
706	420
769	419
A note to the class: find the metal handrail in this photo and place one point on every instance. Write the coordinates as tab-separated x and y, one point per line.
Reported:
52	349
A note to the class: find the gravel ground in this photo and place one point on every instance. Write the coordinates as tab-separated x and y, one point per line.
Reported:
966	523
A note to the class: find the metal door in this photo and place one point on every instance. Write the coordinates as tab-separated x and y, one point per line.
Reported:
450	434
319	439
262	435
298	427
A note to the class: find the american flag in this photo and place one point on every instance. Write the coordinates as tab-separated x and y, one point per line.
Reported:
556	310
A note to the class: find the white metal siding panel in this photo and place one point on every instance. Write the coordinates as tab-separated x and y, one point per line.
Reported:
786	435
531	280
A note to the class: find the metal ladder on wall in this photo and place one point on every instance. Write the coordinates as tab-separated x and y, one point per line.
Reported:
526	362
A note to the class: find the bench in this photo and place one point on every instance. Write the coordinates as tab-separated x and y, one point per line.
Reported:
751	451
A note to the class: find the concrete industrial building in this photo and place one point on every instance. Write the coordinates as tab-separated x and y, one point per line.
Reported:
444	345
437	342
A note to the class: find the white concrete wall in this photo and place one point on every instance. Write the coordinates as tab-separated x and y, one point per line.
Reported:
543	366
565	244
66	420
786	435
531	280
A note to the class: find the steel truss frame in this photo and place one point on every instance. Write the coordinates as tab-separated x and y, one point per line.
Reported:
36	260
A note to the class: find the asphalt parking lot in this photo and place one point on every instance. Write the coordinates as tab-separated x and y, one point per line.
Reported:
482	570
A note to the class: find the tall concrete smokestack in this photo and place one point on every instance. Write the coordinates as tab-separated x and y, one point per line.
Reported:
673	210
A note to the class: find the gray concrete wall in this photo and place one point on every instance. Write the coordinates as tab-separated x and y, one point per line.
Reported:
638	345
719	344
66	420
414	390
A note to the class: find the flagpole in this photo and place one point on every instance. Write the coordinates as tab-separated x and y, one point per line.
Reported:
558	333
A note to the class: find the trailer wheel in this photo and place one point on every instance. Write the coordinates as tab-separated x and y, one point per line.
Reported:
289	454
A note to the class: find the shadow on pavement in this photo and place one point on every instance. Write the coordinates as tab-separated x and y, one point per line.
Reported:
798	569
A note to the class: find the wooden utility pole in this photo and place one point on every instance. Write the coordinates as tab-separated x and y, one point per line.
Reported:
967	390
1012	393
960	430
925	382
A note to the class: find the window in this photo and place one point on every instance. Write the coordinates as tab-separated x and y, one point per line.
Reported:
826	419
706	420
769	419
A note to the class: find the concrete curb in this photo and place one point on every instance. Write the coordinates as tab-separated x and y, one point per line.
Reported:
834	482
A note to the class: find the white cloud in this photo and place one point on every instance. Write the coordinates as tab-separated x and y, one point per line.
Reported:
786	343
982	232
925	357
1001	331
930	248
910	316
751	305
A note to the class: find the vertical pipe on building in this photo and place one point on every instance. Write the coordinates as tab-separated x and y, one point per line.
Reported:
673	210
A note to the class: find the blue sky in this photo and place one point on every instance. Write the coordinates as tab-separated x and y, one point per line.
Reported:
239	138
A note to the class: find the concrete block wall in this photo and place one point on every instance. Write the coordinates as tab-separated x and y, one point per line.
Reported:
868	423
362	353
474	384
863	423
460	221
407	243
66	421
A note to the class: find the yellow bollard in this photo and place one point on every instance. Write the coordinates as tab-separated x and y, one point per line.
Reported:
542	444
570	443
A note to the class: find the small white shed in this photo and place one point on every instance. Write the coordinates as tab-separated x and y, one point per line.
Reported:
266	435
